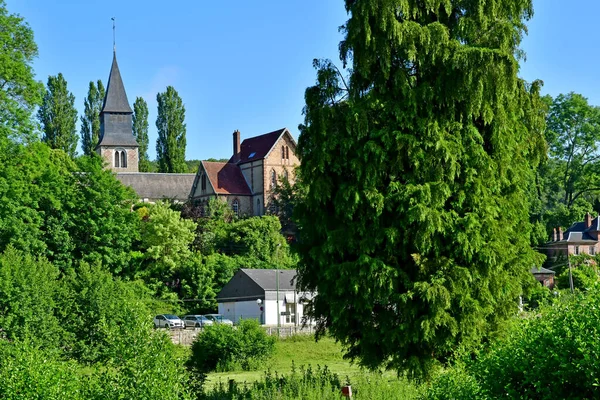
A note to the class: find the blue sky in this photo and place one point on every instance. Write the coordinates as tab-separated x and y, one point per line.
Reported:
245	64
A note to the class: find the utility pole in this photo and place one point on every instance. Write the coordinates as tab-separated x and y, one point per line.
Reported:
278	314
570	272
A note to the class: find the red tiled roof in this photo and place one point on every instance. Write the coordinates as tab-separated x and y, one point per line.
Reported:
259	145
226	178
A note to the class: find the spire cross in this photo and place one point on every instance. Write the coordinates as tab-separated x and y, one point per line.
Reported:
114	41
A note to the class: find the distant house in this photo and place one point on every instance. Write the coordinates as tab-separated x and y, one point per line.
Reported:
544	276
255	293
247	180
580	238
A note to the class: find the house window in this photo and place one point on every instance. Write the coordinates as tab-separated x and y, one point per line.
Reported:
235	206
285	175
123	159
273	179
577	250
287	153
203	182
282	152
290	313
117	159
120	159
592	250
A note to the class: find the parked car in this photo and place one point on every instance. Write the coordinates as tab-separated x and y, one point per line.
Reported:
219	319
168	321
196	321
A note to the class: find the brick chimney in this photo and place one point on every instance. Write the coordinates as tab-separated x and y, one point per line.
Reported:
588	220
554	235
236	143
560	233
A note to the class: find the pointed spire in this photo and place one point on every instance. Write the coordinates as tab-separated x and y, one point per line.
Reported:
116	98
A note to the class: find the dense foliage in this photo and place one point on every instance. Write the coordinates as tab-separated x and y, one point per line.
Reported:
140	132
170	123
554	354
221	347
58	116
415	228
90	120
20	93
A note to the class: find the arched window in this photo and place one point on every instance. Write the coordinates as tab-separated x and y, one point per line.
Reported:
287	153
282	152
123	159
257	206
285	175
203	181
117	159
273	179
235	206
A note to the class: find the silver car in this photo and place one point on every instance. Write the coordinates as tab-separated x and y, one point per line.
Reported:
168	321
219	319
196	321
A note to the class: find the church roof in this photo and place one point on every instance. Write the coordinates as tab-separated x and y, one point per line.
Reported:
257	147
158	186
226	178
116	98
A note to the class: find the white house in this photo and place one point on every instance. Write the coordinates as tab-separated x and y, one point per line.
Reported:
256	294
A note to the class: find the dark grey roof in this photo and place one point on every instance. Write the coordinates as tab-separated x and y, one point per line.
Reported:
578	232
541	270
116	98
248	284
267	278
156	186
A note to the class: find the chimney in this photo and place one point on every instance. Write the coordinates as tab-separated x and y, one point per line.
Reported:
560	233
236	143
588	220
554	235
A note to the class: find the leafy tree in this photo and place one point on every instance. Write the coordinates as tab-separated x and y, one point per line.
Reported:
28	289
140	131
414	229
59	116
171	142
64	211
20	93
166	241
90	120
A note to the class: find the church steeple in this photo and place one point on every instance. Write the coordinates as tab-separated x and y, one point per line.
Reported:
117	145
116	98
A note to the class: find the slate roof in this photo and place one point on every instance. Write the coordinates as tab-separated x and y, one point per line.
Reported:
226	178
115	99
267	278
117	138
541	270
579	233
157	186
257	146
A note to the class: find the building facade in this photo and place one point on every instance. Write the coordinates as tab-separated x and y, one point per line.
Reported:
246	182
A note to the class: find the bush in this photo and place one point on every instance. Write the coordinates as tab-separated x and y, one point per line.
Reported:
221	347
552	355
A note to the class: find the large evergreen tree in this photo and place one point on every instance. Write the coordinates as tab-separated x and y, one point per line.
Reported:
59	116
170	145
140	131
90	120
20	93
414	226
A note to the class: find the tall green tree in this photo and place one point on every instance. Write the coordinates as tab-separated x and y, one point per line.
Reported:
20	93
171	142
414	228
140	131
90	120
59	116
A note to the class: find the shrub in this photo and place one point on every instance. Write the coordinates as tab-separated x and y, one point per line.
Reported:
222	347
552	355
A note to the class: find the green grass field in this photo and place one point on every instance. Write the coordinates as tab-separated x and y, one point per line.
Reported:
304	351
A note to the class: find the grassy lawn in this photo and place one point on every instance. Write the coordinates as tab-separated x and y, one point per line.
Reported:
299	350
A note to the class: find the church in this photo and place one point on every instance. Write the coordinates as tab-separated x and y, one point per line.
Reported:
245	182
